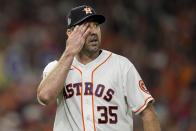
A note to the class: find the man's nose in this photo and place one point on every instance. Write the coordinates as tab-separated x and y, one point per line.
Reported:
92	29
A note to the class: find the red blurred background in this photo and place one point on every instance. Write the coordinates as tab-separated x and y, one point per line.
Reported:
158	36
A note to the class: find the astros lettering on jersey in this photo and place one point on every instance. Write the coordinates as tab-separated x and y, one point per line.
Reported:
100	95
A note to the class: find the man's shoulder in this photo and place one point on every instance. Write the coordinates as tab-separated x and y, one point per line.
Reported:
50	66
119	58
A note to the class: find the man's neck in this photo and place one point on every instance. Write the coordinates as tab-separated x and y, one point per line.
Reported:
86	57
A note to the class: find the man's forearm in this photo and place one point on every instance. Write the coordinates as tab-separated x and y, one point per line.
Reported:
52	85
150	120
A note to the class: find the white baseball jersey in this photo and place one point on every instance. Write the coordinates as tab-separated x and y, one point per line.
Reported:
100	96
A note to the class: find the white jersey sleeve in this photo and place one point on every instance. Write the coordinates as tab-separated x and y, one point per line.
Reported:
46	71
135	90
49	68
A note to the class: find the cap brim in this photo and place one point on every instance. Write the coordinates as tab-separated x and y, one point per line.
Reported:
97	18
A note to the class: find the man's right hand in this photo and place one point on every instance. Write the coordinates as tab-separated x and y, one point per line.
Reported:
77	38
52	85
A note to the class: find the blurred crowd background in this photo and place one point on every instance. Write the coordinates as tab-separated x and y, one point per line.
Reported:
158	36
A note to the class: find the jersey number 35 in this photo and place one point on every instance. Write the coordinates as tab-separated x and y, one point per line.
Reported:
107	114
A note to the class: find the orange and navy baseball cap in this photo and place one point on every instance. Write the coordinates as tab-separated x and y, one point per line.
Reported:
79	14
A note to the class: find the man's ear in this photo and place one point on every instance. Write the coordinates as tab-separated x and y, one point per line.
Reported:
68	32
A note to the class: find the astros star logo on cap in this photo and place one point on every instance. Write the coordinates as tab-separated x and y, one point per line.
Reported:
87	10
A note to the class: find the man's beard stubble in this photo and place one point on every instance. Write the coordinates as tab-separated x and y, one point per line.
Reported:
92	48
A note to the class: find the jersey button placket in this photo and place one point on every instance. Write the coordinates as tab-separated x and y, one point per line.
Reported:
87	100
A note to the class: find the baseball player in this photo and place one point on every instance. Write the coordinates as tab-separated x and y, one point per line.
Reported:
95	89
